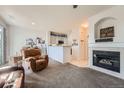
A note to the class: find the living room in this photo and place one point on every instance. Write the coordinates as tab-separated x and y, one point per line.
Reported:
61	46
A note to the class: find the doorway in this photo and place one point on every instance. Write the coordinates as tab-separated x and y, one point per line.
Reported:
80	51
83	46
84	43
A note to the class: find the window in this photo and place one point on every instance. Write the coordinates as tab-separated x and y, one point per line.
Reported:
2	46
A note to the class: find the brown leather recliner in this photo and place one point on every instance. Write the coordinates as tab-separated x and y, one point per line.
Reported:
36	61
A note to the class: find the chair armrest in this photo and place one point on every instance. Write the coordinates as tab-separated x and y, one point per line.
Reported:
8	69
44	57
31	63
30	59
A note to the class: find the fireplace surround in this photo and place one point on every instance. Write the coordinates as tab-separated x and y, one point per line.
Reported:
107	59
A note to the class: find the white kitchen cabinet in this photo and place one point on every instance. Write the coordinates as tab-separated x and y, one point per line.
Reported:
61	54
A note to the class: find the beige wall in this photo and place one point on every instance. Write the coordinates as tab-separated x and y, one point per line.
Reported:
75	34
18	36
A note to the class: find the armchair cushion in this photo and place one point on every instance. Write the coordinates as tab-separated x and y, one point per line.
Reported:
30	59
40	64
4	76
18	81
2	82
30	52
13	75
44	56
37	57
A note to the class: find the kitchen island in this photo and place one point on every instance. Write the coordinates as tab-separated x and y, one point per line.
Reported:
60	54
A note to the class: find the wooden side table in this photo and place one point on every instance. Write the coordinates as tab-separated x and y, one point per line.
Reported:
17	60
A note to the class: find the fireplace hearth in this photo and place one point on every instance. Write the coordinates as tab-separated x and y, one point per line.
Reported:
107	59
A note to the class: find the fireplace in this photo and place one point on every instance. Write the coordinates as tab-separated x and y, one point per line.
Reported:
107	59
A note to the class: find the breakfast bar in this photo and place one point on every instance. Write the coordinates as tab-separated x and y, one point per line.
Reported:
60	53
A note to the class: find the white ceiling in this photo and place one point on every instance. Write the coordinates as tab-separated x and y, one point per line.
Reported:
51	17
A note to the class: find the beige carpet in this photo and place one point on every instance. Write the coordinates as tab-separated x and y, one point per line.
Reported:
69	76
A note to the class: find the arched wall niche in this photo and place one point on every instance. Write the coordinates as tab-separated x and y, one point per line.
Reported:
104	23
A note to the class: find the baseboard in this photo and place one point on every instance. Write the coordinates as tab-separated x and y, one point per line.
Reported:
108	72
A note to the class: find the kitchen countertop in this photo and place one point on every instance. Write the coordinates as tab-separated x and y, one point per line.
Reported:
60	45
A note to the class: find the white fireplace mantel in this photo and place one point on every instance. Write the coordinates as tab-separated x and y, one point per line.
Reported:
113	14
107	44
121	50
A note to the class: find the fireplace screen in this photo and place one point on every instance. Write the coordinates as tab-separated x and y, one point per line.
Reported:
107	59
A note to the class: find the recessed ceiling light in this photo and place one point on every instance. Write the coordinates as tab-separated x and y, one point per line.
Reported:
33	23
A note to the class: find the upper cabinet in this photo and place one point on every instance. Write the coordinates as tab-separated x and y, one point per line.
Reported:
56	38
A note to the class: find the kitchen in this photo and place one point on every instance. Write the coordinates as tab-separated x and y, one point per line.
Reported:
58	47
